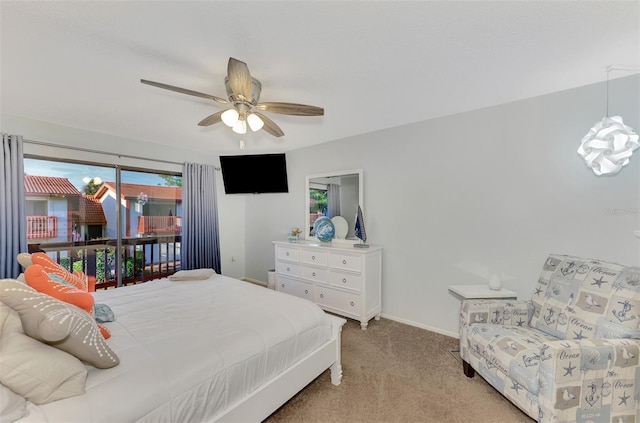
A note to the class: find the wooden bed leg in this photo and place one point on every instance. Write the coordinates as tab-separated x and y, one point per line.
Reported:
468	370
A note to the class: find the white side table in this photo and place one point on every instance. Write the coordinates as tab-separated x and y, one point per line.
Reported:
467	292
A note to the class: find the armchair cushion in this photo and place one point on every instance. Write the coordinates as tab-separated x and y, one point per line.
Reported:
583	298
514	351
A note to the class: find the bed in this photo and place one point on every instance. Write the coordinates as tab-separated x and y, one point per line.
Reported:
211	350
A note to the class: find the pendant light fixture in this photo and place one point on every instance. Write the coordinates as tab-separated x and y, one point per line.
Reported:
607	147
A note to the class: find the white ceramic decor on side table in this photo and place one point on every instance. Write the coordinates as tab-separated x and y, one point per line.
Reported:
339	278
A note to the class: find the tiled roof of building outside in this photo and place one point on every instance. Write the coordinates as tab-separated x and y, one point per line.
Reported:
91	212
152	191
49	185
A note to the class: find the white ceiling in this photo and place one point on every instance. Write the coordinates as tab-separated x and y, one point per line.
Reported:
371	65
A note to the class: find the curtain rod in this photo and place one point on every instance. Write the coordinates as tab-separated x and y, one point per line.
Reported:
89	150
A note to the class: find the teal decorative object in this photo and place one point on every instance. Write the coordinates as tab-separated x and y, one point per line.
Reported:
324	229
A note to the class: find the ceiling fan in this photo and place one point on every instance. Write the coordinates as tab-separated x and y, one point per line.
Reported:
243	93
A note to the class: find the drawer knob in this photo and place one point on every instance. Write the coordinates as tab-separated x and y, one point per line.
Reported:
344	280
313	257
286	254
321	295
306	291
344	262
352	304
313	274
282	285
288	269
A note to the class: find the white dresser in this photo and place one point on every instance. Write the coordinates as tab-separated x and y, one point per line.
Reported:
341	279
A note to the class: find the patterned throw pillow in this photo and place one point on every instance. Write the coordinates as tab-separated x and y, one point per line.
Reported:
37	278
579	298
59	273
58	324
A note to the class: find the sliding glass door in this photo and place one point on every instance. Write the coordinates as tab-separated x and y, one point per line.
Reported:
151	224
99	219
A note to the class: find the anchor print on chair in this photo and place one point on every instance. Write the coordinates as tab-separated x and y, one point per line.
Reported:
575	356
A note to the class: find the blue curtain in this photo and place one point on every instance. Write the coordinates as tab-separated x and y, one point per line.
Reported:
333	200
13	220
200	237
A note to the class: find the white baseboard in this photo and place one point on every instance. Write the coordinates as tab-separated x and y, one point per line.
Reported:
420	325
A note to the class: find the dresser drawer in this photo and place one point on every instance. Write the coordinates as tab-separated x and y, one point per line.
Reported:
338	300
290	269
316	274
320	258
346	261
341	280
297	288
288	253
346	280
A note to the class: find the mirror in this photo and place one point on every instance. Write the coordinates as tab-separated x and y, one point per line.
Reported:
334	194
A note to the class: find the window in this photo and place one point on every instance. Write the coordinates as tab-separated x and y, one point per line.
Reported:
75	216
317	204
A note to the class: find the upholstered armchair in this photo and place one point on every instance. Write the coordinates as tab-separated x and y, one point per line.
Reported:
568	354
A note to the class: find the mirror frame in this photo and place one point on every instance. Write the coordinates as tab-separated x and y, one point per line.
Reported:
307	204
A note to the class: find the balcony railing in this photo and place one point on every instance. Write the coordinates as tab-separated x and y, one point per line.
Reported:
159	224
39	227
142	259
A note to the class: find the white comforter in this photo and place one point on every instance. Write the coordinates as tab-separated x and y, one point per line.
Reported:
190	349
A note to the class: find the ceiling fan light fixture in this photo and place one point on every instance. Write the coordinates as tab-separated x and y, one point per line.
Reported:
230	117
255	123
240	127
243	96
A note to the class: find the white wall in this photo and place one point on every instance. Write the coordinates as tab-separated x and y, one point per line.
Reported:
455	199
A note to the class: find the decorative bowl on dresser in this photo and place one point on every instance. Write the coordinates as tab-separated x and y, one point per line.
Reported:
339	278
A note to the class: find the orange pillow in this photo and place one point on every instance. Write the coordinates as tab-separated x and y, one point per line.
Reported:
77	279
38	279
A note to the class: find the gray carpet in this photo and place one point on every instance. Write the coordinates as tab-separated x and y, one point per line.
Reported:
393	372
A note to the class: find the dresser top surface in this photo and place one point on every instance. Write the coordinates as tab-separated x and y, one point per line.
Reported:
334	246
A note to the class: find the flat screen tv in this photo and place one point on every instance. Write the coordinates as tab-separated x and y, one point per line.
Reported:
254	174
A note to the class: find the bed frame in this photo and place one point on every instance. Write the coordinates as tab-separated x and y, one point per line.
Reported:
262	402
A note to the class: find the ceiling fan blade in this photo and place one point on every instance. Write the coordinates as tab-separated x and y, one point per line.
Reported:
239	79
270	126
184	91
212	119
290	109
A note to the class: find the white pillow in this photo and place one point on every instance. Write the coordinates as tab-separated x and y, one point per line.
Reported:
38	372
192	275
12	405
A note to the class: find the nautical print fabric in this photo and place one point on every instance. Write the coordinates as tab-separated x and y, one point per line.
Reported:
583	299
577	359
495	338
498	312
597	381
514	351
